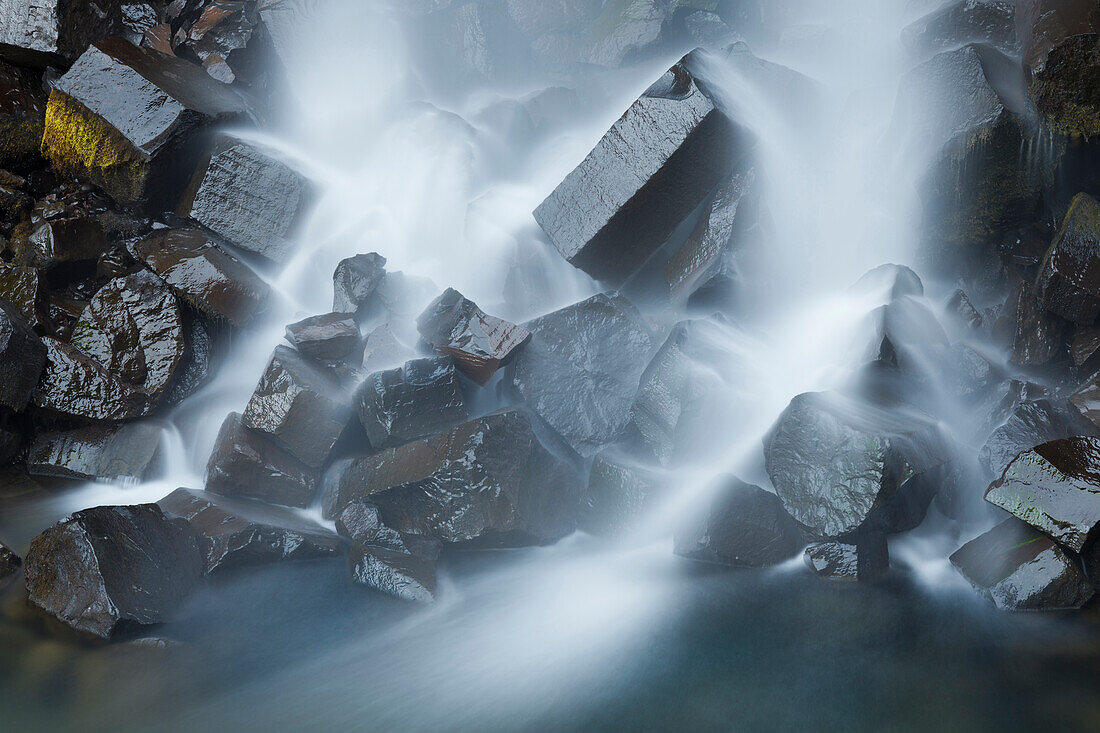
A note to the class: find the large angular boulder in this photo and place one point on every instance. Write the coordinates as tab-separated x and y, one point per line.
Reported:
488	480
54	32
22	115
743	526
1069	278
10	564
329	337
581	369
244	193
131	119
1030	424
111	568
655	166
233	533
25	288
355	280
22	358
301	407
75	385
964	21
620	491
66	240
203	274
245	463
1043	24
479	343
1020	569
421	398
131	451
409	576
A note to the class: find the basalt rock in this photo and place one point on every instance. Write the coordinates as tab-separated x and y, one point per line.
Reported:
1085	348
488	481
204	348
581	370
108	569
54	32
129	451
864	561
22	114
1020	569
619	492
421	398
964	21
1043	24
1087	399
132	120
408	576
78	386
1032	424
203	274
10	564
1037	336
245	463
66	240
137	18
1065	89
361	521
655	166
243	193
1069	278
25	289
744	526
894	281
382	350
22	358
907	335
225	38
299	406
479	343
233	533
355	280
330	337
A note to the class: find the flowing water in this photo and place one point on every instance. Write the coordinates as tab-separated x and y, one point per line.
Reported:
587	633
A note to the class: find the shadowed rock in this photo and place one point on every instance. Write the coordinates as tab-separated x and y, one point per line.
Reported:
54	32
1069	279
1065	89
22	358
964	21
1031	424
960	306
245	463
10	563
233	533
382	350
111	568
78	386
479	343
968	375
24	288
619	493
1084	349
126	452
66	240
1037	336
329	337
421	398
864	561
22	115
355	280
1021	570
1043	24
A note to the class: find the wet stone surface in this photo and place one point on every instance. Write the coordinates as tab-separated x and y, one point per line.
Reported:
131	451
479	343
421	398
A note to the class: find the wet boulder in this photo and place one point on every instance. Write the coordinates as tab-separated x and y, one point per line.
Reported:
964	21
1036	335
361	521
66	240
960	306
22	115
243	192
203	274
22	358
1065	89
620	491
864	561
75	385
968	376
479	343
1020	569
329	337
1087	399
404	575
580	372
111	568
355	280
421	398
1043	24
10	564
893	281
299	406
1030	424
489	481
140	141
907	336
234	533
131	451
227	39
245	463
1084	349
743	526
54	32
655	166
1068	284
382	350
25	288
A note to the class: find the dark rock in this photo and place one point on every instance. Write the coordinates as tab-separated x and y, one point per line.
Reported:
1085	347
355	280
1032	424
619	493
243	193
1087	399
1069	279
330	337
1025	246
245	463
421	398
22	115
866	560
78	386
382	350
1043	24
964	21
1065	89
834	461
299	406
580	371
10	564
1021	570
137	18
361	521
488	480
968	375
111	568
238	532
907	335
478	342
893	281
66	240
131	119
203	274
655	166
744	526
402	575
54	32
1037	336
225	38
204	349
129	451
22	358
960	306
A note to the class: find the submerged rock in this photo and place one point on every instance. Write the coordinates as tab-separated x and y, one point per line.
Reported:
1037	336
22	115
619	493
22	358
10	564
968	376
1043	24
1031	424
1069	278
1020	569
655	166
245	463
330	337
964	21
479	343
54	32
111	568
129	451
233	533
355	280
581	369
421	398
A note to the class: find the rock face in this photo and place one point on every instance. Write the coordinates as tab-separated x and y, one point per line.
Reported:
75	385
245	194
834	461
1020	569
299	406
478	342
965	21
129	451
581	369
619	493
22	114
655	166
10	563
236	532
1029	425
66	240
1036	335
203	274
111	568
355	280
420	399
54	32
744	526
245	463
1069	279
488	480
129	120
22	357
330	337
382	350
